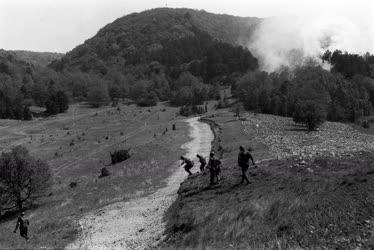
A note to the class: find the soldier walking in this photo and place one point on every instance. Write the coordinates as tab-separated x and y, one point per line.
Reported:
214	168
243	162
187	164
23	225
202	163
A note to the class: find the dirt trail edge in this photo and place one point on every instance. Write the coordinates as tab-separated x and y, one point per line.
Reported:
138	223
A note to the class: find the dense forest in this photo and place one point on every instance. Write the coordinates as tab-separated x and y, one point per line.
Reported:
184	56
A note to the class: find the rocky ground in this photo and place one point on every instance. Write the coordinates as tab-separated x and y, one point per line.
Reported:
285	139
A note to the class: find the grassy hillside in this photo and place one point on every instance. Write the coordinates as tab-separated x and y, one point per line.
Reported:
310	190
77	145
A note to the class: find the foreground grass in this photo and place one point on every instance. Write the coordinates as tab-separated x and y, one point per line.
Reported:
326	202
77	145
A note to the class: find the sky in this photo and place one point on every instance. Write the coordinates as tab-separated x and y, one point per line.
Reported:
61	25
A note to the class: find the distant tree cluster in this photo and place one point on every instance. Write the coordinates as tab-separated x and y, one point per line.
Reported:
349	64
309	94
23	85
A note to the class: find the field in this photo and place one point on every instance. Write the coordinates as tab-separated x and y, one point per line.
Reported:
311	190
77	145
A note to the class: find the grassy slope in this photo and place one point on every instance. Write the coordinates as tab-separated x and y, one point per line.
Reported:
53	221
329	202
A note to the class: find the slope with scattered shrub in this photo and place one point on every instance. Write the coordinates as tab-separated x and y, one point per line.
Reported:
291	203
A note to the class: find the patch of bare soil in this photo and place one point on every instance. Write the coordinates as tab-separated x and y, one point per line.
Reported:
138	223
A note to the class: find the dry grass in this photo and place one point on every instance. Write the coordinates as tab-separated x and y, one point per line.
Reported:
95	133
327	204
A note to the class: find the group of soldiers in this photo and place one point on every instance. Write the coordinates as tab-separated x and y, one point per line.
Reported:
214	165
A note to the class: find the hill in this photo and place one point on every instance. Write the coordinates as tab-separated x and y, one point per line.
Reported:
171	36
39	59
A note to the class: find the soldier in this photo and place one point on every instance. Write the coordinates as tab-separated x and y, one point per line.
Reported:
23	226
188	164
243	162
202	163
214	168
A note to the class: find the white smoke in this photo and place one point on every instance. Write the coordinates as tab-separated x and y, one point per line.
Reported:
290	41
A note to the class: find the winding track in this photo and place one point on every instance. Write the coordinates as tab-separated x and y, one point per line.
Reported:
138	223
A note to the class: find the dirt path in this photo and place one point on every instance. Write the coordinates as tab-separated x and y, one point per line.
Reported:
137	224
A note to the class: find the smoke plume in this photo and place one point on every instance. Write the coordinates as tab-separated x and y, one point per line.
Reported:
291	41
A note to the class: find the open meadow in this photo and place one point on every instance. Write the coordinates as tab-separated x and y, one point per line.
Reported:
76	145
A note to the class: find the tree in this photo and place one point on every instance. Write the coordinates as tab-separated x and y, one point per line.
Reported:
62	101
22	178
51	106
27	116
98	95
149	100
310	113
181	97
114	93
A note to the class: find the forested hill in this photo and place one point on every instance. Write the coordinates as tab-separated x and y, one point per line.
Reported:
170	36
40	59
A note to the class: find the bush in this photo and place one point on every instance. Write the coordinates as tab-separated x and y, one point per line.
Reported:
148	101
365	124
191	110
104	172
120	156
27	116
310	113
22	177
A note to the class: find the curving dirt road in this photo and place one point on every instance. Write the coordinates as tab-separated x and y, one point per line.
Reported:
138	223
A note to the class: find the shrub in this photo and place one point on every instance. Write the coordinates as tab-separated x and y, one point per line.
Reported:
150	100
120	156
310	113
104	172
365	124
22	177
27	116
191	110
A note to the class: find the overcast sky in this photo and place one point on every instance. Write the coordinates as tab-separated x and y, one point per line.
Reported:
60	25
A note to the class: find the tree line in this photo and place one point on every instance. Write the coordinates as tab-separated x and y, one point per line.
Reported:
309	94
23	85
